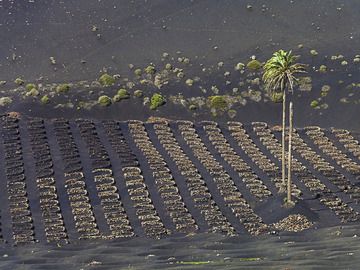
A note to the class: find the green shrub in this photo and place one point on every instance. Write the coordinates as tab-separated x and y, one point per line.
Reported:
33	92
156	101
45	99
277	97
232	113
19	81
138	72
104	100
218	103
106	80
323	69
123	93
254	65
30	86
138	93
150	70
62	88
314	103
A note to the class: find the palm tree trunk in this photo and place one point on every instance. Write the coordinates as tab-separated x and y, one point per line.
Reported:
283	184
289	152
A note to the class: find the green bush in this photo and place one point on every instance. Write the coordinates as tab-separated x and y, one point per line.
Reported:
138	93
314	103
254	65
156	101
106	80
19	81
138	72
45	99
150	70
276	97
30	86
62	88
218	103
33	92
123	93
323	69
104	100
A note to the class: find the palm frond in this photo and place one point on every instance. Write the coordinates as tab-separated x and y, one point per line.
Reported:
279	71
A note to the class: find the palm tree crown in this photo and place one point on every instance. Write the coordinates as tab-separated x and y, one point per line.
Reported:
279	71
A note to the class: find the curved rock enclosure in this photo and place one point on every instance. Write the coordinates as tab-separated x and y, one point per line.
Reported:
65	180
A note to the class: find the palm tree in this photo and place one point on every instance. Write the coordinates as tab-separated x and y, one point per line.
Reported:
279	75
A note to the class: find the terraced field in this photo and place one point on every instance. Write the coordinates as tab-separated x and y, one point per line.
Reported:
62	180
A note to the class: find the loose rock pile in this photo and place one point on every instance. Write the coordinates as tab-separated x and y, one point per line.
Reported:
293	223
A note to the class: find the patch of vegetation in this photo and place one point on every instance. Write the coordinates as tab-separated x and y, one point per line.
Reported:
305	83
138	93
314	103
62	88
325	90
156	101
189	82
30	86
323	69
45	99
104	100
150	69
138	72
4	101
123	93
232	113
218	103
19	81
239	66
314	52
106	80
33	92
276	97
253	65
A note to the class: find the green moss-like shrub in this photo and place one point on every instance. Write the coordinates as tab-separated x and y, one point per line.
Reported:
123	93
156	101
189	82
314	52
218	103
314	103
138	93
62	88
138	72
253	65
19	81
150	69
232	113
106	80
104	101
30	86
276	97
323	69
33	92
45	99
